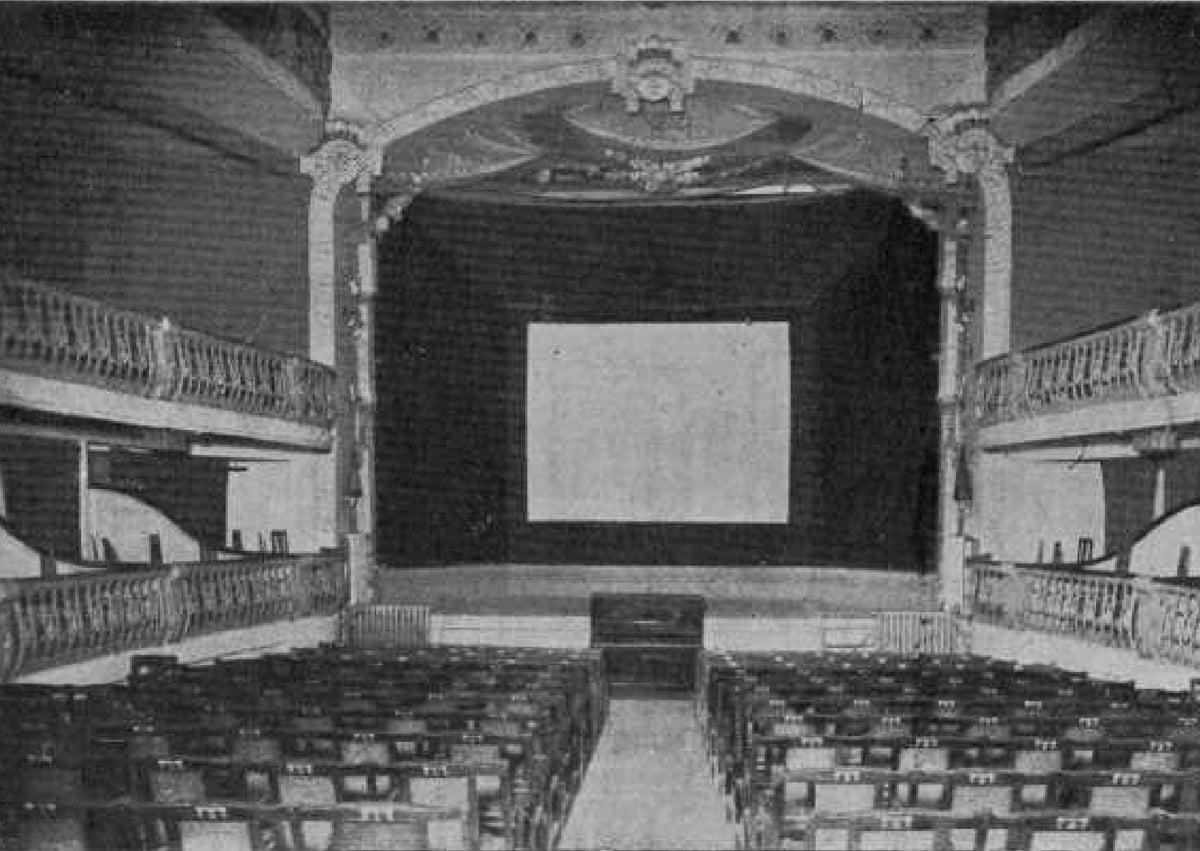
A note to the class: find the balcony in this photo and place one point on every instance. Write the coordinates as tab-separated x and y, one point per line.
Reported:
1109	382
73	356
47	623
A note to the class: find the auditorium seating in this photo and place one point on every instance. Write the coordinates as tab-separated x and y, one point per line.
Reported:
873	751
328	748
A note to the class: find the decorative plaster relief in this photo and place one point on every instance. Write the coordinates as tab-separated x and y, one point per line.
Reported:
654	70
748	72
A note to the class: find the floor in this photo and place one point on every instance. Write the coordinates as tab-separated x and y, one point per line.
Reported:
649	786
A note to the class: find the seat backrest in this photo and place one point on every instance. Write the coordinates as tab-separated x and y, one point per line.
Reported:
306	790
440	791
1154	761
177	786
1127	801
215	836
1038	762
1067	840
61	834
924	759
844	797
399	835
364	753
971	800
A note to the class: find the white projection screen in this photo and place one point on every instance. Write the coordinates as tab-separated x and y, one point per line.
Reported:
658	422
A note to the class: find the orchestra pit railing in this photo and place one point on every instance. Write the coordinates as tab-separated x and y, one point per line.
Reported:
52	334
1153	356
46	623
1158	618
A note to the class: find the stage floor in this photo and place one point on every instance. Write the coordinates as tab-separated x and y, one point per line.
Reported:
734	592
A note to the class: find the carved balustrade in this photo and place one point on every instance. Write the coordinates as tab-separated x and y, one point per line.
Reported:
1157	617
45	623
1172	622
58	335
1151	356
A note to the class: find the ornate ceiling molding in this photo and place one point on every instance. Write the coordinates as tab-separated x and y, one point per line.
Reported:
744	71
538	29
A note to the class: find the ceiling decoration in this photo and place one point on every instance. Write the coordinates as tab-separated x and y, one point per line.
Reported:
538	28
654	69
654	130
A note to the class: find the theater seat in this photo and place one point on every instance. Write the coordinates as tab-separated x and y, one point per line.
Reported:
215	836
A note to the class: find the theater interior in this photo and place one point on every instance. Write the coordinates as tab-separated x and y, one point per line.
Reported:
599	425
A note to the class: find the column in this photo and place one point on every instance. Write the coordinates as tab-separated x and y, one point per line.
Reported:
950	541
343	158
961	143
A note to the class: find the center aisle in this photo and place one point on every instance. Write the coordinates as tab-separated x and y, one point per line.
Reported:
648	785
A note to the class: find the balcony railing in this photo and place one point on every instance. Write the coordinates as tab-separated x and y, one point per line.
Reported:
46	623
52	334
1157	618
1153	356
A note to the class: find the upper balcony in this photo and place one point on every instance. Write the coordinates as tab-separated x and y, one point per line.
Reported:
1105	383
73	356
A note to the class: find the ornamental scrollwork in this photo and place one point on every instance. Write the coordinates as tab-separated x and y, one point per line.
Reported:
963	143
345	156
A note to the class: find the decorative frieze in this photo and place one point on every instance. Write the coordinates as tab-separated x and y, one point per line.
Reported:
556	28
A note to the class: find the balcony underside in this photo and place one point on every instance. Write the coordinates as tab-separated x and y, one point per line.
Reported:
66	398
1102	427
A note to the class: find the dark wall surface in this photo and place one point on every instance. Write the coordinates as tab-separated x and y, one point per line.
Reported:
141	218
1106	235
852	275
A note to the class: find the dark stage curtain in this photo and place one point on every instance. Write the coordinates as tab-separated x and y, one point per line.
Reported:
852	275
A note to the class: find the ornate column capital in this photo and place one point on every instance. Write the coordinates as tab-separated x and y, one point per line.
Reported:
344	156
963	143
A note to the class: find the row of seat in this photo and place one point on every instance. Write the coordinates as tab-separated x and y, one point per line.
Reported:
327	748
946	752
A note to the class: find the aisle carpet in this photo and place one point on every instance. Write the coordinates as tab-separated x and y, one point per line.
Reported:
648	786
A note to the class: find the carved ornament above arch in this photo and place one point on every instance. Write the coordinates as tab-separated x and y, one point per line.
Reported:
744	71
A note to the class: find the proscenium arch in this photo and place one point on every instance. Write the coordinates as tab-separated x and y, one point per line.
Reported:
765	75
715	69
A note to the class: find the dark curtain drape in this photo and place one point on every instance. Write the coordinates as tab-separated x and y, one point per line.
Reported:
852	275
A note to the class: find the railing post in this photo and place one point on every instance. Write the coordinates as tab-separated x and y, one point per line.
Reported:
11	649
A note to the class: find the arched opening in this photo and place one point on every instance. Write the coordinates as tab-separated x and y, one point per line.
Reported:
753	205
